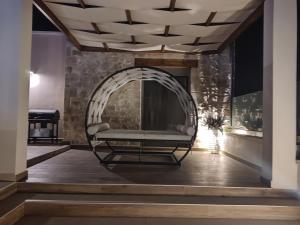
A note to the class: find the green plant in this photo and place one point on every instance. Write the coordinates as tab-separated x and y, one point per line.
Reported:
214	122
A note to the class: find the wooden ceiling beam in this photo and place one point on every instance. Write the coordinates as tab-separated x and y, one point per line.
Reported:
53	19
105	46
133	39
210	18
81	3
172	5
96	28
98	31
167	27
128	16
197	39
166	33
250	20
130	21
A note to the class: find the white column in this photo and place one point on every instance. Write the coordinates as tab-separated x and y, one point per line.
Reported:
15	45
280	77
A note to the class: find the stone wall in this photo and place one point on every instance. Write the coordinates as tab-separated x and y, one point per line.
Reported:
83	72
210	87
123	107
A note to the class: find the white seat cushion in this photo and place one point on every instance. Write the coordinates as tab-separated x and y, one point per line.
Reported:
143	135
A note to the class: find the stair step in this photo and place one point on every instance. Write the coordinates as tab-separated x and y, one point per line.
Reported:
34	220
143	204
154	190
160	210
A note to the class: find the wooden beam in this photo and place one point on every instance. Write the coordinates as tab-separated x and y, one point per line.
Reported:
53	18
197	39
97	29
210	18
250	20
166	62
82	4
133	39
166	33
167	29
128	16
172	5
105	46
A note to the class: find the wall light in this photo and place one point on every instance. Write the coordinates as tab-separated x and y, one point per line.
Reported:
34	79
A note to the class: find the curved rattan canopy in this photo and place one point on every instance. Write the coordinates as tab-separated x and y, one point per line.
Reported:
112	83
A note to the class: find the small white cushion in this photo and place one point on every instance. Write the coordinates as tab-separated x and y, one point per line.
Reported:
94	128
190	131
181	128
185	130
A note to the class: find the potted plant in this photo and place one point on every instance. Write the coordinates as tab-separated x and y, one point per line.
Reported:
215	123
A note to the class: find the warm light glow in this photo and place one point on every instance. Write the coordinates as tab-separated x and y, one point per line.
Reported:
34	79
206	139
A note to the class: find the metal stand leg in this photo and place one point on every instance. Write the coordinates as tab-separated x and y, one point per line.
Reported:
109	158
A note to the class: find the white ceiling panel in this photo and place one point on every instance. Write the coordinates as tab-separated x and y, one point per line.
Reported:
137	29
164	40
130	4
91	43
202	31
101	37
200	48
217	5
98	15
63	1
139	47
170	18
150	24
76	24
232	16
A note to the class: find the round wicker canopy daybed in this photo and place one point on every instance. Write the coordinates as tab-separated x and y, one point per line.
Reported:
182	135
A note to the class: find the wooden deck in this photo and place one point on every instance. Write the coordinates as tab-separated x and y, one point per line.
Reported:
199	168
39	153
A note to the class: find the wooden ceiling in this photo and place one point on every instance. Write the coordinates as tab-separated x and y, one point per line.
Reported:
186	26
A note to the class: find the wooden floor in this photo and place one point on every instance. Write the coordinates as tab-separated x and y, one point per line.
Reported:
199	168
40	153
34	151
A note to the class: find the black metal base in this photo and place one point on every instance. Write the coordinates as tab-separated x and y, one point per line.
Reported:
141	155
